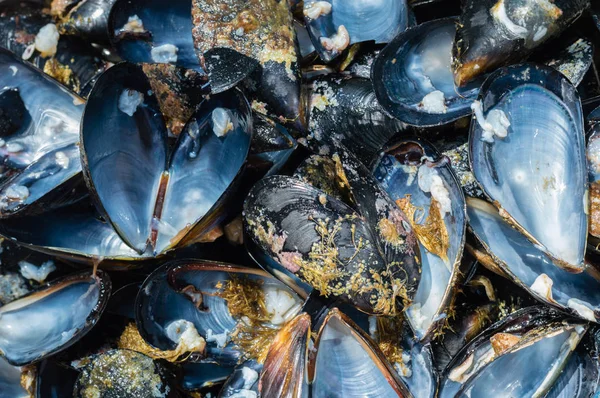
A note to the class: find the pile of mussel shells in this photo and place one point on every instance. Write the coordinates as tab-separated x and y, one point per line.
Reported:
299	198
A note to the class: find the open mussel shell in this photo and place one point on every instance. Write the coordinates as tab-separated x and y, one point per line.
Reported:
417	178
412	361
335	24
343	362
76	233
580	377
302	223
208	295
527	152
39	121
500	360
494	33
123	373
345	108
529	267
52	318
154	199
412	76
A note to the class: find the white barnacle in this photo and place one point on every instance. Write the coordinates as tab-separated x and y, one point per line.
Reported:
338	42
430	181
16	193
62	159
33	272
543	286
221	121
167	53
134	25
281	304
219	338
496	124
184	334
434	102
129	101
46	41
317	9
582	309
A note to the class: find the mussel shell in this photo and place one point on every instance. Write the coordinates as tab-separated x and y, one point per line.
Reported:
201	376
525	264
574	61
416	63
282	216
398	172
237	383
537	339
48	126
347	364
580	377
150	197
52	318
122	373
76	233
345	108
494	33
378	21
88	19
537	174
162	300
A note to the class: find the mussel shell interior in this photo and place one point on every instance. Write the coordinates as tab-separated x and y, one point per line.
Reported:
161	301
538	173
416	63
513	372
53	318
438	276
346	365
378	21
524	262
49	124
75	232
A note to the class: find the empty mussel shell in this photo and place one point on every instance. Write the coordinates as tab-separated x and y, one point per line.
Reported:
236	310
39	123
52	318
334	25
527	152
500	360
75	233
154	199
531	268
345	362
493	33
243	380
412	76
424	186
